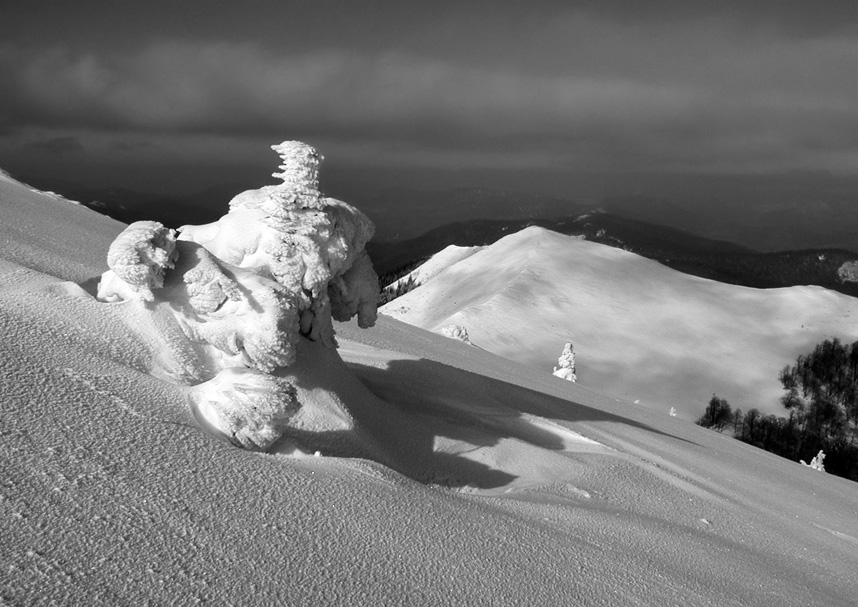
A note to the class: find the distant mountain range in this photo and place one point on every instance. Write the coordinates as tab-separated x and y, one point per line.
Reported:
778	238
403	213
800	222
677	249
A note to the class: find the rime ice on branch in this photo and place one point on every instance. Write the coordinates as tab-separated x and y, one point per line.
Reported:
247	288
565	368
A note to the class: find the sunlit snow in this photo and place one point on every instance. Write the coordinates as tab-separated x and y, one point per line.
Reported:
446	475
641	330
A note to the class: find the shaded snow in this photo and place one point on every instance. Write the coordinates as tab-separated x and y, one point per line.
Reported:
641	330
450	476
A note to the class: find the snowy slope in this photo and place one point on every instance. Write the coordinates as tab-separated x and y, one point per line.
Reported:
46	232
435	264
498	485
641	331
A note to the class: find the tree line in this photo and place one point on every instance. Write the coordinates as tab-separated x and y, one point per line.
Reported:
821	397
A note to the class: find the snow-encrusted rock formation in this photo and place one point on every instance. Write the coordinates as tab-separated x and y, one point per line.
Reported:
565	368
246	289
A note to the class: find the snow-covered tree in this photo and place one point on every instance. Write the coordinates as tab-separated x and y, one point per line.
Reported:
816	462
456	332
565	368
246	289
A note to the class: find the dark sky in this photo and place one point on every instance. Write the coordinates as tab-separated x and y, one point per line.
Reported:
169	95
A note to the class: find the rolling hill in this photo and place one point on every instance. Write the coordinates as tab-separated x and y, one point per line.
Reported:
642	332
675	248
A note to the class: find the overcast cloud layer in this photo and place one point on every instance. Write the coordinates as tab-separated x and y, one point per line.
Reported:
587	89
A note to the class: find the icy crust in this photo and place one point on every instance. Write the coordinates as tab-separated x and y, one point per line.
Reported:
247	288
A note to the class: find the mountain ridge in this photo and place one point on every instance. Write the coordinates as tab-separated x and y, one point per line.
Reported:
527	294
678	249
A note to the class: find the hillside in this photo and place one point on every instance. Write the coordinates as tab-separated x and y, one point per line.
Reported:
642	332
490	483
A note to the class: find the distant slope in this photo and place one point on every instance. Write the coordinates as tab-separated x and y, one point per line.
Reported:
641	331
677	249
425	270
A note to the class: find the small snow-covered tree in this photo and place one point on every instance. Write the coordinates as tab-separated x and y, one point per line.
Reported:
848	272
816	462
456	332
565	368
247	289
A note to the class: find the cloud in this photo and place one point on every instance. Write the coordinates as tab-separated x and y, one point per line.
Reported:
57	145
583	92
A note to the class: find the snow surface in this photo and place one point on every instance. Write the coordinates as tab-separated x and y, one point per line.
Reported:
435	264
642	332
460	478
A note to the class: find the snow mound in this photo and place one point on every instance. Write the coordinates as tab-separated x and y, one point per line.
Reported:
244	290
250	408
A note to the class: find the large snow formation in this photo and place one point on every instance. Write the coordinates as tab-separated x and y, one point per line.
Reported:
247	288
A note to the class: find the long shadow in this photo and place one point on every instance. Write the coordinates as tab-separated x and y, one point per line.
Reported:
423	417
387	428
424	386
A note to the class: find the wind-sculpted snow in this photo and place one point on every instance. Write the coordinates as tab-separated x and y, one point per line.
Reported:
251	407
247	288
137	260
